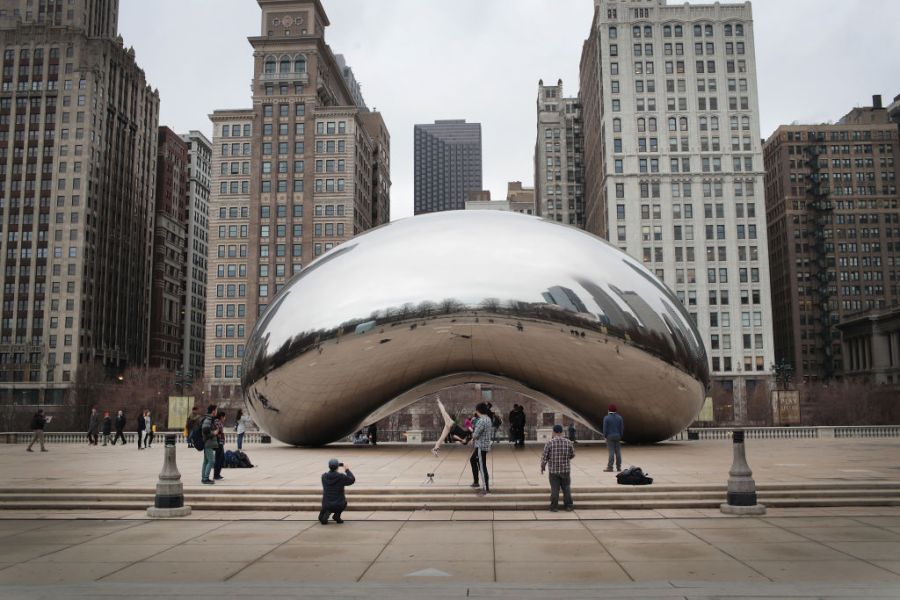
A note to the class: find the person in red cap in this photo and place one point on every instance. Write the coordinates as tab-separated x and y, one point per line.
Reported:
613	428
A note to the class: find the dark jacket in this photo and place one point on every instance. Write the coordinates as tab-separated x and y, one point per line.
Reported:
209	430
120	422
142	424
107	425
613	426
333	484
94	423
38	421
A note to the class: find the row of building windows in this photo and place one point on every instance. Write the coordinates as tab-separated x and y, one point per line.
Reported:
676	30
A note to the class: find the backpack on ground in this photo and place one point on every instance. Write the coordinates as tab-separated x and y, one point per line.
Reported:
633	476
231	459
243	461
196	435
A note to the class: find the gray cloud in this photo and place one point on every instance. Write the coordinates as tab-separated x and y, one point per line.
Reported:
421	60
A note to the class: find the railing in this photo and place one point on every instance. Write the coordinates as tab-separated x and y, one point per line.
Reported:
762	433
396	435
70	437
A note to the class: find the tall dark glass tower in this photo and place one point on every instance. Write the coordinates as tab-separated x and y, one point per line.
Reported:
448	165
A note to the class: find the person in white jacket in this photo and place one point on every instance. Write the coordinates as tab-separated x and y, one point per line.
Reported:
240	426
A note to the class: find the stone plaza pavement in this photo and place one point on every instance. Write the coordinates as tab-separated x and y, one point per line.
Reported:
846	552
403	465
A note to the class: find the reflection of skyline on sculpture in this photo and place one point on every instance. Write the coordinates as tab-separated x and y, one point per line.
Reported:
437	296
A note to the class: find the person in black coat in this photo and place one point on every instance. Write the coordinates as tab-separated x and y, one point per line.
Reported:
120	428
107	428
141	429
333	498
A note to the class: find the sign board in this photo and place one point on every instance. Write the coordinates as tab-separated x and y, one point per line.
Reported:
179	411
706	413
785	407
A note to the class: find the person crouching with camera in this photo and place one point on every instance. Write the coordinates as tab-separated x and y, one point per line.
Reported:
333	498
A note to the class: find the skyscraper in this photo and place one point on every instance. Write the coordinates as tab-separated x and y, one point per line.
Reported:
302	171
447	165
674	173
834	237
78	136
169	252
559	156
197	223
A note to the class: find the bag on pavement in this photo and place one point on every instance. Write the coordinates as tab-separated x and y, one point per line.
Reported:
633	476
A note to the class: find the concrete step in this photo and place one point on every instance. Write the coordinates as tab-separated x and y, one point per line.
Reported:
646	494
488	503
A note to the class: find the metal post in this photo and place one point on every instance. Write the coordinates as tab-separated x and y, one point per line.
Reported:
741	499
169	501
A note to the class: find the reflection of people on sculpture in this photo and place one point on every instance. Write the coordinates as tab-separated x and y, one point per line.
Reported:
451	431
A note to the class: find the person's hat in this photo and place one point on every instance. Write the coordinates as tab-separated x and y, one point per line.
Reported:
612	408
333	464
557	429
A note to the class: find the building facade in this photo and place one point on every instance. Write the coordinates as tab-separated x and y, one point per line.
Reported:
519	199
169	252
447	156
834	233
559	156
674	173
196	251
78	139
871	347
302	171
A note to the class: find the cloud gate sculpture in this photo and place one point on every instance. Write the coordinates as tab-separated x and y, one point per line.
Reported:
424	303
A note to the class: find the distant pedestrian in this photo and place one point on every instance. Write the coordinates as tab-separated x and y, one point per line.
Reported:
613	429
193	421
519	425
220	447
38	421
558	452
120	428
210	442
93	427
150	428
572	433
240	427
107	428
372	433
141	429
333	498
482	442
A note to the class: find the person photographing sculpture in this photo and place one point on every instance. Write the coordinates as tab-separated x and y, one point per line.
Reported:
333	498
482	440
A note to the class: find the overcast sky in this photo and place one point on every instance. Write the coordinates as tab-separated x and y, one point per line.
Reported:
480	60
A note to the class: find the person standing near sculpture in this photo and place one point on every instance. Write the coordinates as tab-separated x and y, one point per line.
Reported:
613	429
240	427
520	421
333	498
558	453
210	442
220	448
482	441
93	427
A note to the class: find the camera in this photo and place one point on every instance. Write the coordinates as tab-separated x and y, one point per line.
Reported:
340	464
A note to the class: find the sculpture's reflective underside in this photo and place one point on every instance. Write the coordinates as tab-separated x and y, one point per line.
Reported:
480	296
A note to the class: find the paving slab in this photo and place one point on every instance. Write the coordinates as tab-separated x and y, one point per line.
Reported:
691	570
822	570
571	572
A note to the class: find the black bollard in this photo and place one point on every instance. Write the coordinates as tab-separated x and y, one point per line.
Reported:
741	498
169	501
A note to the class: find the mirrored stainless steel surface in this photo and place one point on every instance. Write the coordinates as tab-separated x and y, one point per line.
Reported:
480	296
